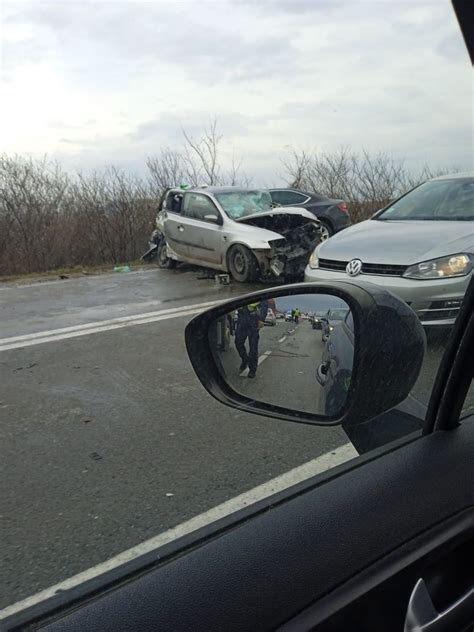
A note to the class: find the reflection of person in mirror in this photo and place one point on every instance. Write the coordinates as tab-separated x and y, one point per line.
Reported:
250	319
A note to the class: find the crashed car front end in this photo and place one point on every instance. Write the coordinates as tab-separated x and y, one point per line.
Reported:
287	255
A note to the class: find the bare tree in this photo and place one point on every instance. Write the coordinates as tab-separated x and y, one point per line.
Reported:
166	170
197	162
118	212
33	202
367	181
202	156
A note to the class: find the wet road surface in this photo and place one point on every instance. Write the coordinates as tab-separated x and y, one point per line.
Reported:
107	437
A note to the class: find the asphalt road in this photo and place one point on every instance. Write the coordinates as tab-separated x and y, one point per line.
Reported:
108	439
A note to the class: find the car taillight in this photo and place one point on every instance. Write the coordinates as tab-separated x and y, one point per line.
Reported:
343	207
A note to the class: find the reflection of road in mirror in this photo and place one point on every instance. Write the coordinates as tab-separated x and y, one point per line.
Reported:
290	352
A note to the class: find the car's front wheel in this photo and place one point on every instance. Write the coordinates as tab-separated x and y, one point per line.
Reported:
242	264
326	230
164	261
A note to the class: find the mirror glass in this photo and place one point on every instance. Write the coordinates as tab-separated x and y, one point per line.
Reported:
294	351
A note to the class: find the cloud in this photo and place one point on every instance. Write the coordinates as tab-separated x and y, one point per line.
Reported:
105	81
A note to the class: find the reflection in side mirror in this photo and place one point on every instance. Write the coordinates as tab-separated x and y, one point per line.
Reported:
339	353
271	351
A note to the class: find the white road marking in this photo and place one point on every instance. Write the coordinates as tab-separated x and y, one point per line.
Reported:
263	357
282	339
307	470
28	340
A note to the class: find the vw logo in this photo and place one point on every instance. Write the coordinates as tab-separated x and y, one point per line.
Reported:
354	267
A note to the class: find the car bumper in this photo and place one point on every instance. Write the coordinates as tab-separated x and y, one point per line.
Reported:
436	302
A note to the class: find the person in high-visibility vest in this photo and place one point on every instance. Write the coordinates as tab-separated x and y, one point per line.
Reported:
250	319
297	315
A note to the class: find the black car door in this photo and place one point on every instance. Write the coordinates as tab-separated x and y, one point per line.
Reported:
382	542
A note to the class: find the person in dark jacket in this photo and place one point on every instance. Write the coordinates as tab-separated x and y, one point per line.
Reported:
250	319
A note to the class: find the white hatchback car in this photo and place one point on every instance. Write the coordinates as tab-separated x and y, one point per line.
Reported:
420	247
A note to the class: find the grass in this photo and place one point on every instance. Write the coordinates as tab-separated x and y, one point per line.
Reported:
74	272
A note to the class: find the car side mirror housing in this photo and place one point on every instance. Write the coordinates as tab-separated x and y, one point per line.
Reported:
215	219
364	363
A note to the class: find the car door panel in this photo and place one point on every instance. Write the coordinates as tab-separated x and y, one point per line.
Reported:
174	230
205	241
260	573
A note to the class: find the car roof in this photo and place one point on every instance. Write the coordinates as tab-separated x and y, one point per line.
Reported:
311	194
214	189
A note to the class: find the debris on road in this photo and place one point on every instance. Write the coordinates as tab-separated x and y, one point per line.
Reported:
30	366
122	269
222	279
95	456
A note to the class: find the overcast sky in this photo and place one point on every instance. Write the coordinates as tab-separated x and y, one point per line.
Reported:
92	83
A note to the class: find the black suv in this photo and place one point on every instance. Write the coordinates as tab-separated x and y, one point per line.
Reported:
333	214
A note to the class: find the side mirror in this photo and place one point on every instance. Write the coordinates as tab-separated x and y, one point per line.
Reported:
367	366
216	219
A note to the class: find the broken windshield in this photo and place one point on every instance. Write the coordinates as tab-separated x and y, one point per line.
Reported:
237	204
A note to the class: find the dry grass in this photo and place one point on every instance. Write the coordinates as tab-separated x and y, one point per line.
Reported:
72	272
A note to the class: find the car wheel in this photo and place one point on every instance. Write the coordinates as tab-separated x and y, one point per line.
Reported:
326	230
162	255
242	264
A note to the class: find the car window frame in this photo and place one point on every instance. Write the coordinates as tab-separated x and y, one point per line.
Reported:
168	198
305	197
455	372
349	327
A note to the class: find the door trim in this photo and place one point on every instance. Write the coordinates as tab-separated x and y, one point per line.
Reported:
450	532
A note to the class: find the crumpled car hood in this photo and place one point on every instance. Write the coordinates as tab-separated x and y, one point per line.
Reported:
278	212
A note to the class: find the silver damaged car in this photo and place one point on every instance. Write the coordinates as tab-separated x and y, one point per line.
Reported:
234	230
420	247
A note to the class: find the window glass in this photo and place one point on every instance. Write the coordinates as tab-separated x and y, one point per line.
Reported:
436	200
288	197
237	204
197	206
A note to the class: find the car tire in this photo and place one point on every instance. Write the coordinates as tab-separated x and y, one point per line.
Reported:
164	261
326	230
242	264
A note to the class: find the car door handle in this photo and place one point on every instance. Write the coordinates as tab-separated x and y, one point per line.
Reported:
422	616
181	228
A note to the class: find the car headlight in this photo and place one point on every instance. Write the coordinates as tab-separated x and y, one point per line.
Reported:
444	267
314	261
